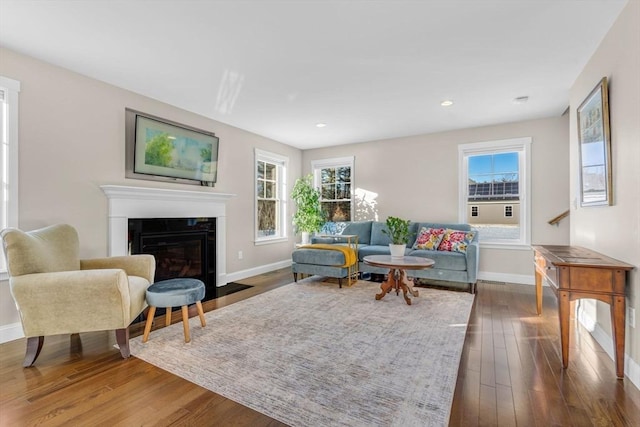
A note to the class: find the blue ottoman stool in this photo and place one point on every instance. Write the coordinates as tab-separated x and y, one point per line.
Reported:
175	293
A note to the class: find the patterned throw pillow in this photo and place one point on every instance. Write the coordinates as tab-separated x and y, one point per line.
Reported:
333	227
429	238
456	240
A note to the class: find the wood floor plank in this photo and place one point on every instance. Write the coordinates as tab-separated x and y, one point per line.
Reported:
510	374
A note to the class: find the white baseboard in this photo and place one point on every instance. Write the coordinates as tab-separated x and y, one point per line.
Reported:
262	269
522	279
631	368
11	332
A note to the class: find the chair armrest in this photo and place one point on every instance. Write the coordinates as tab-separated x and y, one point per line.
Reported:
72	301
134	265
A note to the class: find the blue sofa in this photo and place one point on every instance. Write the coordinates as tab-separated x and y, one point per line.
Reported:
449	266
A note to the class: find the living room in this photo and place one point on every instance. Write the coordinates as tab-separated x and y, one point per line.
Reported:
71	141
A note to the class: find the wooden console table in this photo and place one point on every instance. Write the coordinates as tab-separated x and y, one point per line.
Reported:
574	272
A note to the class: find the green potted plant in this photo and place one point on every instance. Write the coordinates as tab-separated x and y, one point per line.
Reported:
398	230
309	217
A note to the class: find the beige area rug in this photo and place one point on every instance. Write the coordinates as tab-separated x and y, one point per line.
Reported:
311	354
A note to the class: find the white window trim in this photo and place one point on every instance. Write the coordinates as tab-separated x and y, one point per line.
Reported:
336	162
11	88
283	195
522	145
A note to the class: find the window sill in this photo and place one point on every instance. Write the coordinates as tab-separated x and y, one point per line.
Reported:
270	241
506	246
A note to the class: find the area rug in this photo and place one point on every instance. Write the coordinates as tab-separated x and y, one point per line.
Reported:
311	354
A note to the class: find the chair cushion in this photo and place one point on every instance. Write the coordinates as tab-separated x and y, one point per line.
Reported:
47	250
175	292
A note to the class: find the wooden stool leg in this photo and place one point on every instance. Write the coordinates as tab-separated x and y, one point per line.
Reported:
201	314
147	326
185	323
167	316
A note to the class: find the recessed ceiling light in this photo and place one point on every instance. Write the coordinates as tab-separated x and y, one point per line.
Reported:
520	99
447	103
320	125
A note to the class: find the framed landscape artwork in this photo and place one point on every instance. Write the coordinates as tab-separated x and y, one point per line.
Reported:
160	150
595	148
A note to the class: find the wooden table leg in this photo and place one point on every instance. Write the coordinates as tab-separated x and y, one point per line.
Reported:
538	292
618	307
564	311
401	283
387	285
409	283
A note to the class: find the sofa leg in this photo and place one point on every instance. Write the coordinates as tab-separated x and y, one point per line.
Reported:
34	345
472	288
340	283
295	277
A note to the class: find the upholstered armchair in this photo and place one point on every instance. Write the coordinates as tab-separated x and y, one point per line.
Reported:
58	293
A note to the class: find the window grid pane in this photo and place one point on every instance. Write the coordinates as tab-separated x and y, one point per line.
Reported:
336	193
493	181
269	179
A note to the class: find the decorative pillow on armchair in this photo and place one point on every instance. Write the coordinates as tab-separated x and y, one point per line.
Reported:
429	238
456	240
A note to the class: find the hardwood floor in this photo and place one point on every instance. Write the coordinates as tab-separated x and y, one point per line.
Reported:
510	374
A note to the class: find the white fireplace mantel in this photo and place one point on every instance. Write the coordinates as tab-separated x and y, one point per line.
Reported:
142	202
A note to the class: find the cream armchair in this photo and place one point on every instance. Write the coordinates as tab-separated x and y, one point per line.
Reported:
58	293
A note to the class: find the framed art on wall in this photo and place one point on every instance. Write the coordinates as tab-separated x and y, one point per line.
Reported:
594	141
161	150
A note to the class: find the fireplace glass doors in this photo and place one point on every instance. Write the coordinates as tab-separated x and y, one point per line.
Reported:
182	247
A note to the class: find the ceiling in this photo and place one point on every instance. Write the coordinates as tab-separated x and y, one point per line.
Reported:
368	69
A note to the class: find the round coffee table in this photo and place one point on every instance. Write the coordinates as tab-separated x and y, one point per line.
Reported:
397	278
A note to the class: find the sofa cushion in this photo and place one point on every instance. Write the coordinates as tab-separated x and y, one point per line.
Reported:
429	238
456	240
379	238
444	260
362	229
376	250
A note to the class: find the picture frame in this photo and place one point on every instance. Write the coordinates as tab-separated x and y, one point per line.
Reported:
158	149
594	141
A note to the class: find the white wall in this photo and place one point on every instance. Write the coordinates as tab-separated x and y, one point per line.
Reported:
417	178
72	141
614	230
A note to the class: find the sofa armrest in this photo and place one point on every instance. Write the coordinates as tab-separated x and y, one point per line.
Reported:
473	260
134	265
72	301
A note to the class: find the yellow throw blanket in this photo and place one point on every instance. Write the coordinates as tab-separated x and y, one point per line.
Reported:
349	254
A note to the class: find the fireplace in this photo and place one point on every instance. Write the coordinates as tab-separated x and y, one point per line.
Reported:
168	204
182	247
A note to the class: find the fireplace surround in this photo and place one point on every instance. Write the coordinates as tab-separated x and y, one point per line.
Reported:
125	202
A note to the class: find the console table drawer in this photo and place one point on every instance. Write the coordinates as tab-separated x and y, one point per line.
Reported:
590	279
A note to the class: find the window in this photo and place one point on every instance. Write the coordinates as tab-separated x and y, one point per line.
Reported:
270	223
9	90
334	178
495	175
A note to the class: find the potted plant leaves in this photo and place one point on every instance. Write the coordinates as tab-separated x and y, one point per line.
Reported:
398	231
309	216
